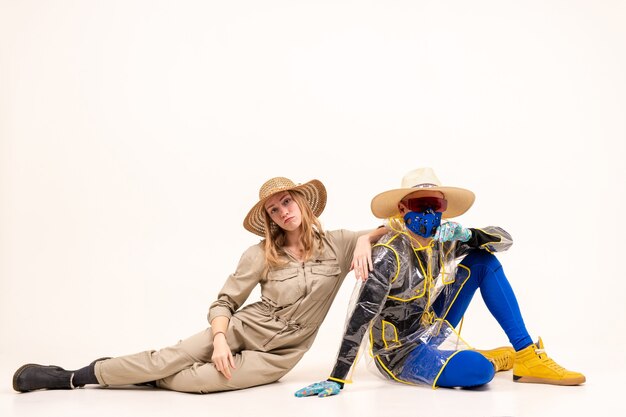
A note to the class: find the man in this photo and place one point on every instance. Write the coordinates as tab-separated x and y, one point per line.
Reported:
424	277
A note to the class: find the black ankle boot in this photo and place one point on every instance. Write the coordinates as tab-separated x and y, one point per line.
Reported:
152	384
32	377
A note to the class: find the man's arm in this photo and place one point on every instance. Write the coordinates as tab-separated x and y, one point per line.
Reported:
370	302
490	238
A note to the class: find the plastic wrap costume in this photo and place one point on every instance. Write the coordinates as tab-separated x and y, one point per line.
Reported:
402	306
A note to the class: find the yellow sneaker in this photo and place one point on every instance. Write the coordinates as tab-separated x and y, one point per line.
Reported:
532	364
502	358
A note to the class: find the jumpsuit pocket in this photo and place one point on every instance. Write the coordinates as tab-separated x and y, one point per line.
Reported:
390	335
406	293
323	280
282	287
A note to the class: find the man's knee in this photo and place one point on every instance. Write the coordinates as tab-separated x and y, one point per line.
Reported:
466	369
481	258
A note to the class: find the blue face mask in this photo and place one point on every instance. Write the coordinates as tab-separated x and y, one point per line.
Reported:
423	224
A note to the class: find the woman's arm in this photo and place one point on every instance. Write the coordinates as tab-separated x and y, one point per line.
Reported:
222	356
240	284
232	295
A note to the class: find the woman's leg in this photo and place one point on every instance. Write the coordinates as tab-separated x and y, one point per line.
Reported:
487	274
252	368
124	370
154	365
187	367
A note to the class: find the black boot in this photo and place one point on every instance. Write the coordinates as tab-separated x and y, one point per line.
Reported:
87	375
152	384
32	377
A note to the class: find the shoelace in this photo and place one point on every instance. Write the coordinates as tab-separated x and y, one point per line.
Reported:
549	362
503	361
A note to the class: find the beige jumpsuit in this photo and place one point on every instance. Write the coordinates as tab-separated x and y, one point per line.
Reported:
267	338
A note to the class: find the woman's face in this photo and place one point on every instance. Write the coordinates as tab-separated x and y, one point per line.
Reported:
284	211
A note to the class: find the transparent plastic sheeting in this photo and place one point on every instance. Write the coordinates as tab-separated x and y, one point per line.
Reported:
397	317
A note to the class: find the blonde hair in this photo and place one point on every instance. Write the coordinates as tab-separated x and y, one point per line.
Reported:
275	236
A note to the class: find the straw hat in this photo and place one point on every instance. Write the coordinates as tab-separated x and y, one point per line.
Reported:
385	204
314	193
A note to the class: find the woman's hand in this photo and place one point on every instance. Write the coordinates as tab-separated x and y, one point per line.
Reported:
222	357
362	258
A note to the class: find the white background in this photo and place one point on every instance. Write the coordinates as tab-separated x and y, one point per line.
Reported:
134	136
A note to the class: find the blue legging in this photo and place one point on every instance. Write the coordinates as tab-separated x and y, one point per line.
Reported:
466	368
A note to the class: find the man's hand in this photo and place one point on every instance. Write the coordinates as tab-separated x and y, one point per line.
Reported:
452	231
321	389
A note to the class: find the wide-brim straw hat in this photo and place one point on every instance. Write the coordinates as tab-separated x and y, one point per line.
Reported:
385	204
313	191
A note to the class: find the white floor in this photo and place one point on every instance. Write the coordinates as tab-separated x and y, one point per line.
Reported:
368	396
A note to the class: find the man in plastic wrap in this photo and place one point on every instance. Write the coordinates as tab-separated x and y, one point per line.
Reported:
425	273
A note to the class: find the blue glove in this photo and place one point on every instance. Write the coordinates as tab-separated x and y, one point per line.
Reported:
321	389
452	231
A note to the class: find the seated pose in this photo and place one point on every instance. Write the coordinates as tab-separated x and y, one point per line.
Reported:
424	276
299	268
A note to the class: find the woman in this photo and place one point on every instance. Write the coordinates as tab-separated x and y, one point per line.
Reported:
424	276
299	268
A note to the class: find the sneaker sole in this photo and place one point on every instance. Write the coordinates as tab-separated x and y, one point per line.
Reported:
535	380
